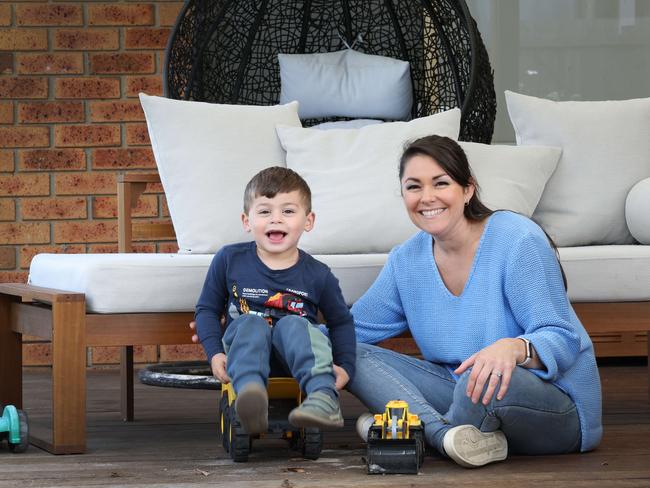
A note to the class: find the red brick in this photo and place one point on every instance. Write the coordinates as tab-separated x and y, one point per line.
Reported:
6	63
95	231
168	12
7	257
87	39
85	184
147	38
87	88
184	352
20	233
111	355
154	188
106	207
122	63
86	135
165	207
6	113
13	277
24	137
53	208
167	247
118	111
123	158
27	253
52	160
7	209
137	135
120	14
48	112
49	14
25	184
6	161
112	248
23	87
5	14
23	39
37	354
151	85
50	64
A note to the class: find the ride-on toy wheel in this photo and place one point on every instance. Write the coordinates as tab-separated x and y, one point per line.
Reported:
239	440
312	443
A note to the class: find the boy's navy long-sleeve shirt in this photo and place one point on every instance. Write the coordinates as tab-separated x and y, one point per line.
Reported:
239	282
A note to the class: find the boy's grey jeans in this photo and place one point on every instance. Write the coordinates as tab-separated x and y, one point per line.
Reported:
535	416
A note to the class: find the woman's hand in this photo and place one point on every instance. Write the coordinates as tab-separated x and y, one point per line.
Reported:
195	338
341	376
218	365
494	362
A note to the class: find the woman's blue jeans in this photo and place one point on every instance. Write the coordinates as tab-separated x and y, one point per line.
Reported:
535	416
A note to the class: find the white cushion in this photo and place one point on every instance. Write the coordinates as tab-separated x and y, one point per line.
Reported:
347	84
132	283
353	175
607	273
206	153
125	283
605	151
347	124
637	211
511	177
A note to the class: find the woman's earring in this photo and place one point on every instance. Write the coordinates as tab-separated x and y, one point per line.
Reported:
467	203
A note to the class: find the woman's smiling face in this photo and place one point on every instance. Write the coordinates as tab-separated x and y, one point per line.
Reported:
434	201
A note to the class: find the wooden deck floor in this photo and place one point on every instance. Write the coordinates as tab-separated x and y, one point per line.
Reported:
175	442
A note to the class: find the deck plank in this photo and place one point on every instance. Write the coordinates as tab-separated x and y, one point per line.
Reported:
175	442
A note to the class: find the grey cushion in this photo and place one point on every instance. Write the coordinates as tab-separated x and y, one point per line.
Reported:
347	84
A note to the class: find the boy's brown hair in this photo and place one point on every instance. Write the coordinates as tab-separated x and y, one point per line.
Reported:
276	179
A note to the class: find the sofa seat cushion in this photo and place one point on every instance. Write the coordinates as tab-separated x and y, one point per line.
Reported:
132	283
607	273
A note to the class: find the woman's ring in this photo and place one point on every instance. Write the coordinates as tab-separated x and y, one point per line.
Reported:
497	374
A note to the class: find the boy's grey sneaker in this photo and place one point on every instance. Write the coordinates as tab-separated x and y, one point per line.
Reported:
471	448
318	410
364	422
252	407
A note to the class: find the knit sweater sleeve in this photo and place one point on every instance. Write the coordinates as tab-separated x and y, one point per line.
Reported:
540	305
211	305
379	314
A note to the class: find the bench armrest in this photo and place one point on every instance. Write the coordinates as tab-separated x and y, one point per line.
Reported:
129	188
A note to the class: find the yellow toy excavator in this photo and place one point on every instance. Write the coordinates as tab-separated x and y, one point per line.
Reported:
395	441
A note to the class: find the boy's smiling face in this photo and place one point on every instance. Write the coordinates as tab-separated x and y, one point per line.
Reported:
277	224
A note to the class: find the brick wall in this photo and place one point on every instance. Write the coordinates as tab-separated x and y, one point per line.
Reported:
70	120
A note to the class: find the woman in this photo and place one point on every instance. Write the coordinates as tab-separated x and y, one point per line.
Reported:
507	365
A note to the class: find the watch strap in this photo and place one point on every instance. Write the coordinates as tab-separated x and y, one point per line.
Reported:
529	352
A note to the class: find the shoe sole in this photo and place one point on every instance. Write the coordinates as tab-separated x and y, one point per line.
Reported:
471	448
252	407
298	418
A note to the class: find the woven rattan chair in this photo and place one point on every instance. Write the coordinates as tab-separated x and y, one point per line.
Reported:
226	51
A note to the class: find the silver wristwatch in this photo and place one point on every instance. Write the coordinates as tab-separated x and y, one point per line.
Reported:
529	352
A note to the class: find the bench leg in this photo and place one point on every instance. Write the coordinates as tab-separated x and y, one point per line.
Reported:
68	377
11	371
126	382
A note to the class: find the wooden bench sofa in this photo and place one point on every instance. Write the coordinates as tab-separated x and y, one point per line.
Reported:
61	317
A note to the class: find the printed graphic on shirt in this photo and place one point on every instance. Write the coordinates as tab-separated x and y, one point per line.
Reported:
271	309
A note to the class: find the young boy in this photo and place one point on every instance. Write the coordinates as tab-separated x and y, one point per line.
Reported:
271	292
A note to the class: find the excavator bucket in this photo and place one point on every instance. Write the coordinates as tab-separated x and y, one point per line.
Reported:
393	456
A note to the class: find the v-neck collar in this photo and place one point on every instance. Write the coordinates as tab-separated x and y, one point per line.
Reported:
436	271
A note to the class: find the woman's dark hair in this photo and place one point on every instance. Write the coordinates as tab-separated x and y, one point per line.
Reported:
448	154
452	159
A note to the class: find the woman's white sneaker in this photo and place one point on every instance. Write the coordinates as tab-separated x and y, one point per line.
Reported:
364	422
471	448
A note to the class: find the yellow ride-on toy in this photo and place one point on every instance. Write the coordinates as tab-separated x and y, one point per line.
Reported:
284	395
395	441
